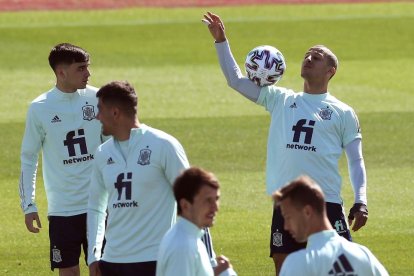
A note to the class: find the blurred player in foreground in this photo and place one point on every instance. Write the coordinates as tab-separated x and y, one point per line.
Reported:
182	252
303	207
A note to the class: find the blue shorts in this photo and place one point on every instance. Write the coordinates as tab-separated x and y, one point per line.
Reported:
67	237
282	242
127	269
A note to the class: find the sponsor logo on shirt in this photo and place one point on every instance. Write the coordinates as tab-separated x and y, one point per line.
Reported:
123	186
78	159
56	119
306	127
342	266
76	138
110	161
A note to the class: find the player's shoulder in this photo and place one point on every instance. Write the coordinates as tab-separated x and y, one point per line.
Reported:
338	104
158	134
296	263
44	97
273	89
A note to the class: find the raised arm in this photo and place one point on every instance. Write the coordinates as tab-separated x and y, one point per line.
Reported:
230	68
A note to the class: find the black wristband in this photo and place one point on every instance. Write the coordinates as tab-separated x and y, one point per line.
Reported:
361	207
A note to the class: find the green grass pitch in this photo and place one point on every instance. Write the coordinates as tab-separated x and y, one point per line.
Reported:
168	55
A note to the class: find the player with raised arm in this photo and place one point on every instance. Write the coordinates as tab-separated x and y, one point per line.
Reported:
61	123
308	133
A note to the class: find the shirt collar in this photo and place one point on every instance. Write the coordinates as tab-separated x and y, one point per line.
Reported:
320	237
190	227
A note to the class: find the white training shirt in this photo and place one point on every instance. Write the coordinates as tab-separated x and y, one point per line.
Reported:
327	253
307	135
182	252
64	127
335	127
137	194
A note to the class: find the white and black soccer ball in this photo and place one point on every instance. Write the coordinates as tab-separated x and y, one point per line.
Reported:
265	65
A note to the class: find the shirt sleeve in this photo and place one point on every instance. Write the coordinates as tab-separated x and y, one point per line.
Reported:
233	74
175	160
33	138
376	267
97	205
356	168
352	129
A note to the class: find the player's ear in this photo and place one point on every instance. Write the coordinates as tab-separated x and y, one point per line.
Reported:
115	111
60	71
332	72
307	210
184	204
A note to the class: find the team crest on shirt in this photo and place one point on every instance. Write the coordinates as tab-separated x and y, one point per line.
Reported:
88	112
56	256
277	239
325	113
144	157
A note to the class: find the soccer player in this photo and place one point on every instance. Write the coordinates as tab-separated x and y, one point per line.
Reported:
182	252
131	184
308	132
61	123
303	207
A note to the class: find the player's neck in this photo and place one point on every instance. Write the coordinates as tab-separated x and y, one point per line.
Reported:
124	129
315	87
320	225
65	88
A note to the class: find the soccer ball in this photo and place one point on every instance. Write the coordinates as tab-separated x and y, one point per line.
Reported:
265	65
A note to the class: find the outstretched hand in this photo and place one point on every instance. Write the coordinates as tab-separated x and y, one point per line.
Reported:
215	26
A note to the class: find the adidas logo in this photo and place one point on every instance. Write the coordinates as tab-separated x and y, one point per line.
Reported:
293	105
56	119
342	267
110	161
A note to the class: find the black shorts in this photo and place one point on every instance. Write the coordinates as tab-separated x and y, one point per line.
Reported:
282	242
127	269
67	236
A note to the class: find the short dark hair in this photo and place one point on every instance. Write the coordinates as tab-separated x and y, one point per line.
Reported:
189	183
302	191
66	53
120	94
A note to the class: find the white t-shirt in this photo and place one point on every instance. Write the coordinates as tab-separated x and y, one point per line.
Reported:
64	127
183	253
137	194
307	135
327	253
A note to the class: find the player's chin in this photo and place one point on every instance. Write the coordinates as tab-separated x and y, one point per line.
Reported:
209	222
